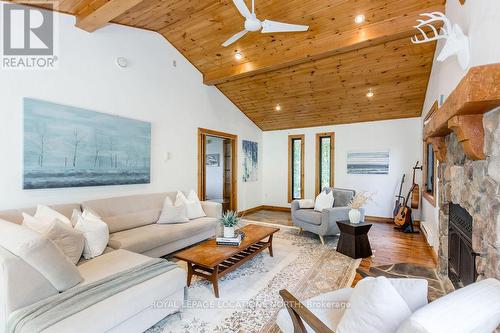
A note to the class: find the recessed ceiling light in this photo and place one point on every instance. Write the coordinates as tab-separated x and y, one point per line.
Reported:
278	107
238	56
359	18
370	94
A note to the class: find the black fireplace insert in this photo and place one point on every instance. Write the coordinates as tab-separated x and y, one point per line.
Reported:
461	258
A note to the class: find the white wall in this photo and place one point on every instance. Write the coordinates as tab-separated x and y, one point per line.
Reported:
215	174
402	137
480	20
173	99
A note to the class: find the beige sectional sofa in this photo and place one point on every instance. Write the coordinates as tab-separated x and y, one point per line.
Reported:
134	237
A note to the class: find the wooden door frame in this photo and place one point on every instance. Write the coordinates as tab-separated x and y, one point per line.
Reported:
202	134
318	159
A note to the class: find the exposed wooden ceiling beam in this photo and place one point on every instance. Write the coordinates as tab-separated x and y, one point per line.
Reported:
369	35
97	14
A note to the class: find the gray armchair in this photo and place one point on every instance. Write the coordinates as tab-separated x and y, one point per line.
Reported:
325	223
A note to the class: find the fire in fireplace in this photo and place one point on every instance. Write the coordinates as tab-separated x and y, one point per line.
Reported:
461	257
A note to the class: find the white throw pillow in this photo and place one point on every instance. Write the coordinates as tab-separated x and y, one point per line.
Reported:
306	203
70	241
172	214
192	203
324	200
41	254
35	224
375	307
96	234
47	215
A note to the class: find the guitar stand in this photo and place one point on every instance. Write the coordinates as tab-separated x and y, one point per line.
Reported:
408	228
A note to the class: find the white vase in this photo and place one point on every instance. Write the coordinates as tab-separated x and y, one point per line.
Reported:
354	216
228	232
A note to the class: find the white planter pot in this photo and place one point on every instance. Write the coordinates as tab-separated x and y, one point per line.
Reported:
354	216
228	231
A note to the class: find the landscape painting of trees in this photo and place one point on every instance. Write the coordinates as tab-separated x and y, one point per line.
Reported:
66	146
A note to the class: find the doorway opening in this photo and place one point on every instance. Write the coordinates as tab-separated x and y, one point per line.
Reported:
217	168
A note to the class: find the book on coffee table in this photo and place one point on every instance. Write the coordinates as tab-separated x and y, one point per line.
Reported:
231	241
234	241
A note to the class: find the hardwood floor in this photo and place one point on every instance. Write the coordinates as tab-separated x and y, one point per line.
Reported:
389	246
271	216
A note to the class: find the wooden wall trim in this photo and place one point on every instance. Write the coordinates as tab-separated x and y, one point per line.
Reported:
290	168
430	197
477	93
318	159
202	133
368	218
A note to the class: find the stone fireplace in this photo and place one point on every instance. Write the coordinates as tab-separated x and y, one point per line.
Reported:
471	189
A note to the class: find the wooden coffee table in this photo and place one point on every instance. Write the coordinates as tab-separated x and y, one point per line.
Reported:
211	261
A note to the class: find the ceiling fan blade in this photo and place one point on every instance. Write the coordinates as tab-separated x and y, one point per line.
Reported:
234	38
269	26
242	8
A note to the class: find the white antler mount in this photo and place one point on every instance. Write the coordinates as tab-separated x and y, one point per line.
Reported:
457	43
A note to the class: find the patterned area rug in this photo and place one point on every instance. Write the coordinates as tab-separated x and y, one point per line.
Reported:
437	287
249	299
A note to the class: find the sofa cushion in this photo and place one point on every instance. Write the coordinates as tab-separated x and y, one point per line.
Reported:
342	196
323	200
16	215
41	253
309	216
16	292
95	233
108	264
474	308
127	305
47	215
69	240
148	237
124	213
375	306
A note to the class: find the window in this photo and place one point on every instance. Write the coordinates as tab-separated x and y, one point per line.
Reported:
430	166
325	143
295	167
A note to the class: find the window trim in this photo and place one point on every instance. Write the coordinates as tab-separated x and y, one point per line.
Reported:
291	138
430	197
319	136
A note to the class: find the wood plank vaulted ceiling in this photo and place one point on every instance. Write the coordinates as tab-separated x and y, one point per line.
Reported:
318	77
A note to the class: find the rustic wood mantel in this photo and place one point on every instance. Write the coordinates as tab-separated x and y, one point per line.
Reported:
476	94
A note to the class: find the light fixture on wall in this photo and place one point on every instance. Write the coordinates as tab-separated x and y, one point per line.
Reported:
122	62
238	56
277	107
359	18
370	93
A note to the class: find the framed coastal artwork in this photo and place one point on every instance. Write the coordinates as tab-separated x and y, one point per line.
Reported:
66	146
368	162
250	161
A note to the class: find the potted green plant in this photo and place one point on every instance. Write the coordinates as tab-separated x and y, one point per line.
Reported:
229	221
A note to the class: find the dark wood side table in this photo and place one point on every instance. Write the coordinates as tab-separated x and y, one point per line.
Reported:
353	241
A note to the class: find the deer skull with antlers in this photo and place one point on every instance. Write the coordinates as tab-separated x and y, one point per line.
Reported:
457	43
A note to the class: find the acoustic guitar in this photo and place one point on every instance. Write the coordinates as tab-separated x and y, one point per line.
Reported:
399	199
403	217
415	195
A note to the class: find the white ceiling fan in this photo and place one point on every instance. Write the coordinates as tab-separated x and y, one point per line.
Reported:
252	23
